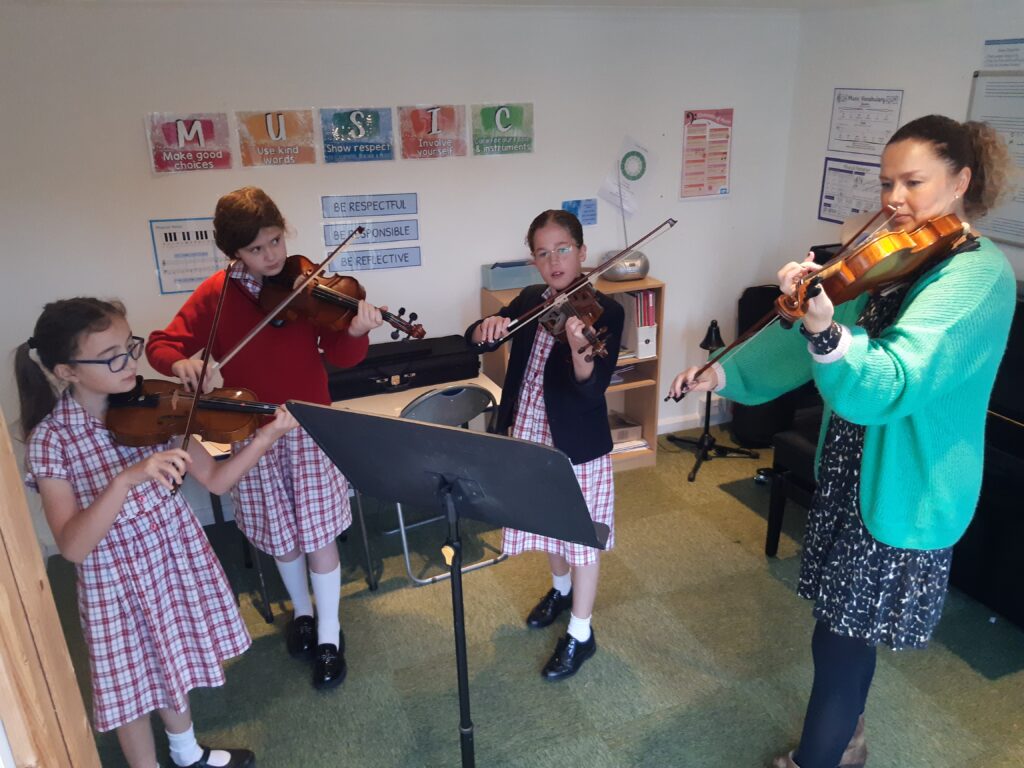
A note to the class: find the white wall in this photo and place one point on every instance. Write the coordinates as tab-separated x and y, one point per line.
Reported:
79	79
930	50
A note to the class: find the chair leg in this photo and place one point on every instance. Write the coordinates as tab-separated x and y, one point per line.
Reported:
441	576
371	577
776	509
268	611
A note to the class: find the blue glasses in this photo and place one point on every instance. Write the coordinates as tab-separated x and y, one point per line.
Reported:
117	363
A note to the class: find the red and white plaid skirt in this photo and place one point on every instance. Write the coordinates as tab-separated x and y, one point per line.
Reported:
595	477
157	613
294	497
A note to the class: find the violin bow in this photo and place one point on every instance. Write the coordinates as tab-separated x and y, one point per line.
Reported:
527	317
286	300
772	315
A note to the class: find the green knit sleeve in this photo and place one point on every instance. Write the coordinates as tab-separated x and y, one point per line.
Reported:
947	331
766	366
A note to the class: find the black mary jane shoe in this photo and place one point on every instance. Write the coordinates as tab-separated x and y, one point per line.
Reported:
300	636
240	758
329	669
568	657
548	609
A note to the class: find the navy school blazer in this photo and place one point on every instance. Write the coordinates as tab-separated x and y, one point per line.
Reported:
577	411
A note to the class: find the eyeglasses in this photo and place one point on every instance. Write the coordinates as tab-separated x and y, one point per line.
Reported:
117	363
562	250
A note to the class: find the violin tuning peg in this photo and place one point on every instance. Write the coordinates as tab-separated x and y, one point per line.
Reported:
394	335
401	311
413	317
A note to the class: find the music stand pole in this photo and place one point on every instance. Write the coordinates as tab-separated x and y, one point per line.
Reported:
706	444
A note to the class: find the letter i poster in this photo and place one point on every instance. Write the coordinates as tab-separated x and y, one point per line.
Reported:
431	132
707	142
188	142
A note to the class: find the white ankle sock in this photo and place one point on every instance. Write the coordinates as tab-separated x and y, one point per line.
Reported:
293	574
579	628
562	583
327	588
185	750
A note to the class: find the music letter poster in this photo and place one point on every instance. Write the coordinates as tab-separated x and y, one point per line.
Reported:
707	145
179	143
502	129
357	134
276	137
184	252
432	132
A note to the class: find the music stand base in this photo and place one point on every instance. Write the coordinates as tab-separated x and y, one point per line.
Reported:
706	445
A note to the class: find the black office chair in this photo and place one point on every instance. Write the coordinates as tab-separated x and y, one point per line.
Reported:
451	407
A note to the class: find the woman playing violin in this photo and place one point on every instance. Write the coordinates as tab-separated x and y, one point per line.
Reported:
905	374
554	394
294	504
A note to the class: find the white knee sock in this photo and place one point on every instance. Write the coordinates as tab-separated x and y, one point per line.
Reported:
579	628
293	574
327	588
562	583
185	750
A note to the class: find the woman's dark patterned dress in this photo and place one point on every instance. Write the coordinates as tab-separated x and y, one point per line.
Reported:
862	587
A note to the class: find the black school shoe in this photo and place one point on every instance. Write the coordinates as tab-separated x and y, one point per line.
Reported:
300	636
329	669
240	758
548	609
568	657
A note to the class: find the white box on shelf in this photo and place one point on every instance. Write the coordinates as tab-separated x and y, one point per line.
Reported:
643	339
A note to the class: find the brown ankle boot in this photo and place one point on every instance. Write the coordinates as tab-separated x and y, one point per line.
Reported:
856	752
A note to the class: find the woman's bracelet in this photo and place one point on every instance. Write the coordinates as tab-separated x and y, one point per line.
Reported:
824	342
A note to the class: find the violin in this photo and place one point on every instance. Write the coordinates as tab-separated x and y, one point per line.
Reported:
155	411
578	299
882	260
326	302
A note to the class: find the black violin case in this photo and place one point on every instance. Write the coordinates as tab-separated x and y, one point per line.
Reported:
397	365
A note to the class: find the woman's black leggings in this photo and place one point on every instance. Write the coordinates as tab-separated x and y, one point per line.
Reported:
843	668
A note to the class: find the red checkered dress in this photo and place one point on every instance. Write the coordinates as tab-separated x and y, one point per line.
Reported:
595	477
295	496
157	612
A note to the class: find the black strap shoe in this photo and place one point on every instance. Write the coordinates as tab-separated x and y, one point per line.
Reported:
329	669
300	636
568	657
240	758
548	609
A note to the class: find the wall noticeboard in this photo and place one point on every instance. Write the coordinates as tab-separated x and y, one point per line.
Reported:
997	98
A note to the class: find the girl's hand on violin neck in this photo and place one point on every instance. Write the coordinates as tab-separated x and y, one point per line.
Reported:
166	467
819	310
283	423
366	319
491	329
188	370
575	334
685	382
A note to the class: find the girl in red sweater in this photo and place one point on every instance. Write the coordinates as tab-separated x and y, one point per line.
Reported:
294	504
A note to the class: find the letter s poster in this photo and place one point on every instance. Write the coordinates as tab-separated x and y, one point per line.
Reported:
179	143
707	142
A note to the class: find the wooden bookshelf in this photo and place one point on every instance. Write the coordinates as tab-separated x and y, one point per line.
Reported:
636	396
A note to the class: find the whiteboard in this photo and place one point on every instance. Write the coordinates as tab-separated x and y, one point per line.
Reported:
997	98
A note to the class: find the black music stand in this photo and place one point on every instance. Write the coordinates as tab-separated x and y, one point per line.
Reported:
706	444
497	480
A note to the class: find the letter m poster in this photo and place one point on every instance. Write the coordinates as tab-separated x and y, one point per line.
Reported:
188	142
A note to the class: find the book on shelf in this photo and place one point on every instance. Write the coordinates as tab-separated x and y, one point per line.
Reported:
628	445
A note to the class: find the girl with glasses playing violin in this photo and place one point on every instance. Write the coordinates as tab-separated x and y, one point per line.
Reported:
295	504
157	613
905	373
553	394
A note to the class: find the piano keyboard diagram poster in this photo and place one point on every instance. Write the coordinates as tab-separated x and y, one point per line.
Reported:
707	142
184	252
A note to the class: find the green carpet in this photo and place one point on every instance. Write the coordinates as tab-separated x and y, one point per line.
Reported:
703	653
